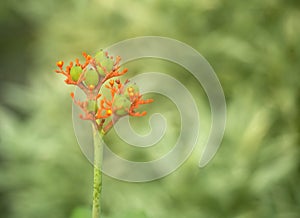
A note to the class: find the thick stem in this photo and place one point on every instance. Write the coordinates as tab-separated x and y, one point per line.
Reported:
98	153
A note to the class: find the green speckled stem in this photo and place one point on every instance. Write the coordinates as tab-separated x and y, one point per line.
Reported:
98	152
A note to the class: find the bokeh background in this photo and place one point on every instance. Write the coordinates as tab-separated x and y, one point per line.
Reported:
254	48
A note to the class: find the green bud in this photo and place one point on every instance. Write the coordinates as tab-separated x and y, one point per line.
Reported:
92	106
100	56
108	63
121	105
91	77
105	61
75	73
101	72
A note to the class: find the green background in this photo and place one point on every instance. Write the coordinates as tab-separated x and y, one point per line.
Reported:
254	48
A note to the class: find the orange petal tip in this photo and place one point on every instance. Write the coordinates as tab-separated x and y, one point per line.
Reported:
111	82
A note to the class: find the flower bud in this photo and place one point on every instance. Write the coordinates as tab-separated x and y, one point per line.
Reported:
121	105
100	56
108	63
75	73
102	59
91	78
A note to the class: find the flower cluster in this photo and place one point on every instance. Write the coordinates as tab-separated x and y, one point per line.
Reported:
90	76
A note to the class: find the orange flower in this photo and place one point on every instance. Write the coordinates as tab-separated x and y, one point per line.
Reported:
125	100
93	72
90	77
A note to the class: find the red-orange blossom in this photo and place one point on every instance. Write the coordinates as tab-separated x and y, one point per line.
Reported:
90	76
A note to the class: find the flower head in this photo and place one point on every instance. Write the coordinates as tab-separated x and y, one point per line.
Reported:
125	100
90	77
93	73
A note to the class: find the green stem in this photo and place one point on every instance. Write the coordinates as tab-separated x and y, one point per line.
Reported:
98	153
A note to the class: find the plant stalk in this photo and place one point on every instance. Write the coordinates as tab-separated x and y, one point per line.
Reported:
97	188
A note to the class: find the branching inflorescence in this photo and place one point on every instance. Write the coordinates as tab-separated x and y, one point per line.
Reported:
97	72
103	111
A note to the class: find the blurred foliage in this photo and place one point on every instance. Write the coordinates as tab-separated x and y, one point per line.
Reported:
254	48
